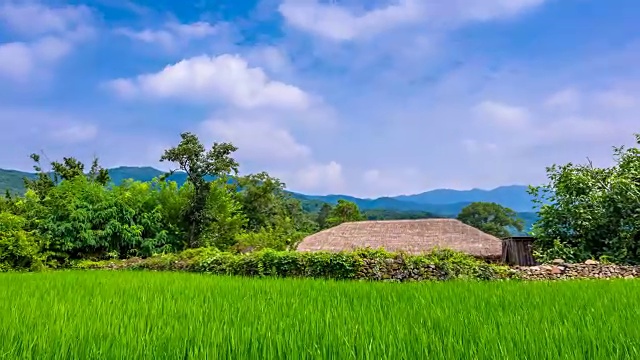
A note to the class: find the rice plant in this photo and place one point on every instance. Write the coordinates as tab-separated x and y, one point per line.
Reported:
154	315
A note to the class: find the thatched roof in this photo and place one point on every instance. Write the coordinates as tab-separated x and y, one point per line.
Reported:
410	236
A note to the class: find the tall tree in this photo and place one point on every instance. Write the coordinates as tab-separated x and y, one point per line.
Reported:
491	218
344	211
198	163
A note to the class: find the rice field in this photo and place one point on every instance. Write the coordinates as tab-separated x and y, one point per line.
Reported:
146	315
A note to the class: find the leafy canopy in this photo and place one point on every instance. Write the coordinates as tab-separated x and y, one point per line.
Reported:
589	212
198	163
344	211
491	218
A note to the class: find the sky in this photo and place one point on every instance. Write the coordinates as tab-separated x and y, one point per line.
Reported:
361	97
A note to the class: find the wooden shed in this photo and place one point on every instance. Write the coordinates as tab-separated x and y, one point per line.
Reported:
518	250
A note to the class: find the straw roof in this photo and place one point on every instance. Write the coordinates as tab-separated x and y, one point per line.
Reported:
410	236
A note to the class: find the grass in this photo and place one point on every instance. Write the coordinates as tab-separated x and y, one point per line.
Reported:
147	315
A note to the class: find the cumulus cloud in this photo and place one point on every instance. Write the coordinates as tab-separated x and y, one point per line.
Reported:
319	178
257	140
51	33
342	23
19	60
225	78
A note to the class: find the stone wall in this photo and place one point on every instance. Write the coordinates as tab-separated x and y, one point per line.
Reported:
590	269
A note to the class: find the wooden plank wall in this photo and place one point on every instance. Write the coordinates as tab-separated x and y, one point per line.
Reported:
518	251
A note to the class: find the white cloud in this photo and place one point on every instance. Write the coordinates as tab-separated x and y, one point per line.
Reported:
19	61
338	23
342	23
271	58
571	116
257	140
319	178
52	32
227	78
502	115
32	18
172	34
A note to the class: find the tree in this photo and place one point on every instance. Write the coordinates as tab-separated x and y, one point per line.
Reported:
42	183
491	218
268	207
198	164
262	199
588	212
323	215
19	249
98	173
68	169
71	168
344	211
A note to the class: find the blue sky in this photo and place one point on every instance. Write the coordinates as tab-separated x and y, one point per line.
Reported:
367	98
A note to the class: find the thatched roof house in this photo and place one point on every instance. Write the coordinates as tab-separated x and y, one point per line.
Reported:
410	236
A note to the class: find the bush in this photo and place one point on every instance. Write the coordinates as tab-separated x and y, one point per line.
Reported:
276	238
360	265
19	249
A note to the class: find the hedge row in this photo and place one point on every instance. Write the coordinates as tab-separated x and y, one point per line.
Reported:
359	265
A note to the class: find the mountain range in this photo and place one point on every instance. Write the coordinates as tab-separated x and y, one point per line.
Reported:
440	202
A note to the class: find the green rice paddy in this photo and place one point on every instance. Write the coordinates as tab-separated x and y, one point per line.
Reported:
147	315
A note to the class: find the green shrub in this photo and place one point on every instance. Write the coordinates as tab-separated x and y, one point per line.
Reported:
19	249
363	264
278	238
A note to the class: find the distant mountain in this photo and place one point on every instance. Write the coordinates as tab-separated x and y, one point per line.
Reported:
12	180
514	197
441	202
388	203
138	173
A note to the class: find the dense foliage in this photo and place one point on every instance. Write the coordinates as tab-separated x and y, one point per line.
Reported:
589	212
69	214
491	218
